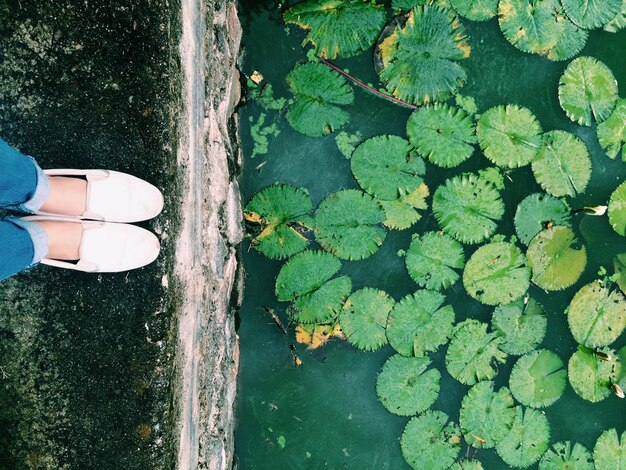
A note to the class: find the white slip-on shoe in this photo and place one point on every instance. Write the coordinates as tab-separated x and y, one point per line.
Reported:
107	247
113	196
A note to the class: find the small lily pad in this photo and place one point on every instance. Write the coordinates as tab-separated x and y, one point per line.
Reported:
403	212
405	385
537	212
609	452
618	22
467	465
612	132
617	209
591	14
432	259
419	323
364	318
590	376
527	440
538	379
522	324
565	456
476	10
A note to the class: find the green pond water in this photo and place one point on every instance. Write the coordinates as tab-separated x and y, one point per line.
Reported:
325	413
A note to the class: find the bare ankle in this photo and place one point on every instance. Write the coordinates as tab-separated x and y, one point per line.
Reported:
67	196
63	239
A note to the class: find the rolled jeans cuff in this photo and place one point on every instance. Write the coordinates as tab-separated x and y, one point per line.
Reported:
42	190
38	236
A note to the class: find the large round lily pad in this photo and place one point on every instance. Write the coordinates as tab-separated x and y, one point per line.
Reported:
419	58
473	353
338	28
527	440
587	91
591	14
496	274
431	260
609	452
476	10
562	166
280	212
537	212
510	135
597	314
405	385
324	304
555	258
318	94
430	441
348	224
591	375
443	134
522	324
364	318
486	416
617	209
565	456
385	167
468	207
419	323
538	379
612	132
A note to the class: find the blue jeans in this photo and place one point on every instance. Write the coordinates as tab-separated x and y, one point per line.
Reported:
23	187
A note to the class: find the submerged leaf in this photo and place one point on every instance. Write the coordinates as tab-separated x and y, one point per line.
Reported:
609	452
619	265
419	324
403	212
590	376
590	14
527	440
338	28
537	212
564	456
612	132
538	379
510	135
476	10
522	325
405	387
364	318
315	336
617	209
430	441
432	259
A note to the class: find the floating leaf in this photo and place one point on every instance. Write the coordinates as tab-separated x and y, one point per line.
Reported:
618	22
564	456
281	212
521	324
612	132
617	209
346	143
323	304
496	274
419	324
468	208
406	387
619	264
348	224
587	90
486	416
527	440
609	452
443	134
597	315
430	442
537	212
538	379
319	91
590	376
554	260
510	135
432	259
338	28
467	465
473	353
562	166
315	336
364	318
540	28
418	59
476	10
385	167
403	212
406	5
591	14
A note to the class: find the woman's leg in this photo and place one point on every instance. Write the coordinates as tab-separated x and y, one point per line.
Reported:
22	245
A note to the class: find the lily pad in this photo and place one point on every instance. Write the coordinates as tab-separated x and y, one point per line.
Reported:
609	452
419	323
364	318
612	132
527	440
522	324
473	353
419	58
443	134
385	167
405	385
468	207
430	441
338	28
486	416
406	5
591	14
590	376
541	28
537	212
587	91
597	314
619	265
476	10
323	304
467	465
348	224
319	92
562	166
403	212
538	379
510	135
496	274
618	22
432	259
565	456
555	261
617	209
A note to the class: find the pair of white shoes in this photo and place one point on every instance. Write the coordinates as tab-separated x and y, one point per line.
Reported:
109	243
